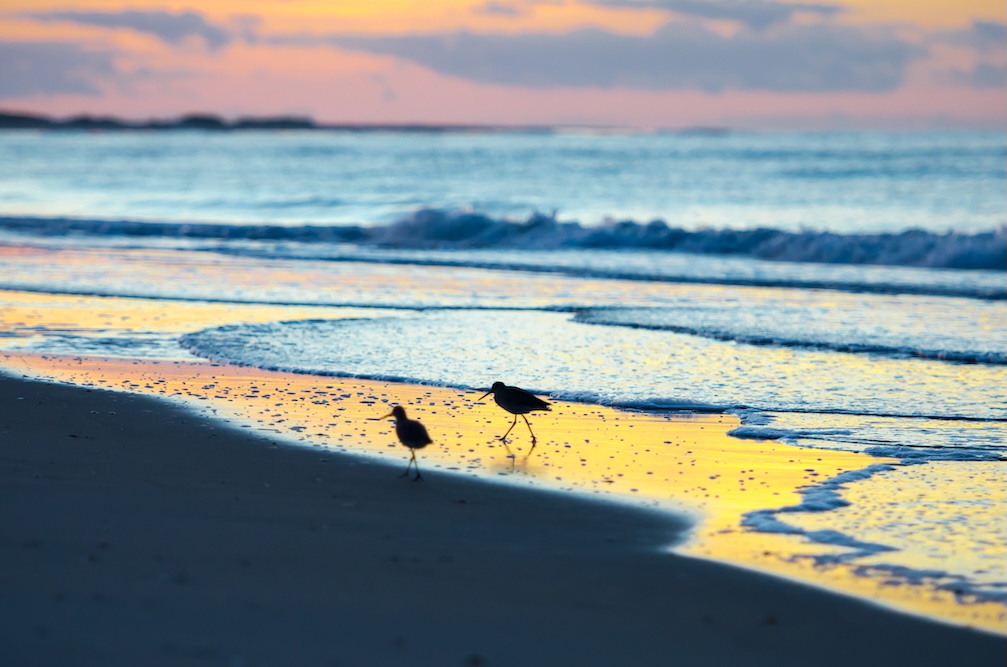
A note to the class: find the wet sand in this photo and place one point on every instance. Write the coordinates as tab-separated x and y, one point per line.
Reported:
684	463
136	532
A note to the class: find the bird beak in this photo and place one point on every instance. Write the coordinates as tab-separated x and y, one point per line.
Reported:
387	416
485	395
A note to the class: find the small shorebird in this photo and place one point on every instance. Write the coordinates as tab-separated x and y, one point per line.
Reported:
412	434
516	401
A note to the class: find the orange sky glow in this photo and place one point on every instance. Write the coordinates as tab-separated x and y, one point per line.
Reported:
627	63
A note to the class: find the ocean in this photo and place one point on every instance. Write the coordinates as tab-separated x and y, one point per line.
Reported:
833	291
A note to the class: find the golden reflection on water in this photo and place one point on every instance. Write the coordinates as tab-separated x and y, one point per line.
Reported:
955	500
27	314
684	462
192	275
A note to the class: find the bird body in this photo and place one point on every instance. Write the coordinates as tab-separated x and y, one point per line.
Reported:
516	401
412	434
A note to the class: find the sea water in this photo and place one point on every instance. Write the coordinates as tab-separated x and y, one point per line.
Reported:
651	272
843	182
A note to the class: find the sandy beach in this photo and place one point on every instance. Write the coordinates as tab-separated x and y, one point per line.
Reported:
135	532
738	264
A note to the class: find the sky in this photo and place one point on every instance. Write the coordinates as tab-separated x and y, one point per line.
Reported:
647	64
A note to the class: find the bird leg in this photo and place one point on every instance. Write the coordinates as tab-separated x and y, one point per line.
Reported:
418	476
504	436
533	438
409	465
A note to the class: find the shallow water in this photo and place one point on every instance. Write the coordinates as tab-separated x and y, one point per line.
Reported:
860	401
545	350
682	462
614	366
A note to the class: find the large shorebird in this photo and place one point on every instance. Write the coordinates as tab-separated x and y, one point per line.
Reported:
412	434
516	401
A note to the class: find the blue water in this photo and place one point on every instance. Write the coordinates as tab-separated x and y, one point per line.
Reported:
844	182
842	291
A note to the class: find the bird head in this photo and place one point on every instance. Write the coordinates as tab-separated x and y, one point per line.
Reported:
398	412
496	385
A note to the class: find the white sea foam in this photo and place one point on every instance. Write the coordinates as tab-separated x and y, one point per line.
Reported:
827	496
791	435
823	497
973	333
963	587
441	230
890	403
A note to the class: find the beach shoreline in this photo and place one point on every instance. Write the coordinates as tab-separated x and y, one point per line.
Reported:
139	532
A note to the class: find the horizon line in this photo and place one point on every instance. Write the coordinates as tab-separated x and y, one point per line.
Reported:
11	119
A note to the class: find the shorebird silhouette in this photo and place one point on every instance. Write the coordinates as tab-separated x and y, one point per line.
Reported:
516	401
412	434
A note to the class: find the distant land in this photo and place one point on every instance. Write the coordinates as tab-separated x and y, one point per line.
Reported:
202	121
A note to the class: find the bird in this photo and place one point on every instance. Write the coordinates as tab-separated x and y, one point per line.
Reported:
516	401
412	434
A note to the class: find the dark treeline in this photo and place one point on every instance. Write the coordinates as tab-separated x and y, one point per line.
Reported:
201	121
187	122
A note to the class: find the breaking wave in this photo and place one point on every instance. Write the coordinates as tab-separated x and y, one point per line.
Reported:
441	229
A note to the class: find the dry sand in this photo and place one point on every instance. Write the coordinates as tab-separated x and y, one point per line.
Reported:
136	533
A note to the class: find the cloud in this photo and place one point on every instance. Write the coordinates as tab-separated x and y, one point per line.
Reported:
52	68
786	59
756	14
388	93
171	28
988	41
491	8
985	75
247	26
982	36
988	35
982	76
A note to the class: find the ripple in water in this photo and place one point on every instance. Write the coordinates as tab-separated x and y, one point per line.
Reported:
551	353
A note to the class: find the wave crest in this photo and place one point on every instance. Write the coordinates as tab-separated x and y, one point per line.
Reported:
441	229
433	228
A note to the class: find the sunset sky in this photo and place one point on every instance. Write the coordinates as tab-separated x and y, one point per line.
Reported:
632	63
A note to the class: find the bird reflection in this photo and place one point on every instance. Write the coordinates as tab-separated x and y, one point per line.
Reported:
516	401
412	434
